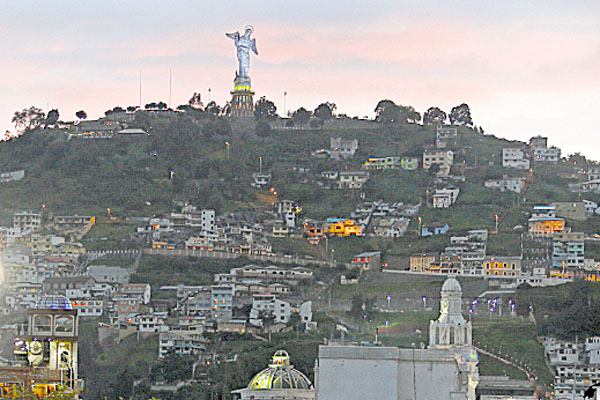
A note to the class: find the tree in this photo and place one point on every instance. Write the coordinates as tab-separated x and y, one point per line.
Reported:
295	322
461	115
387	112
262	128
213	108
132	108
301	116
116	109
267	320
81	114
162	105
51	118
434	116
28	118
408	114
362	308
196	101
265	109
325	111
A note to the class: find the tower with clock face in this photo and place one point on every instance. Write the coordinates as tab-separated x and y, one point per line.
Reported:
450	329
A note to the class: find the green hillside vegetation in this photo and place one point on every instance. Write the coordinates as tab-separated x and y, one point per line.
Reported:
567	311
129	175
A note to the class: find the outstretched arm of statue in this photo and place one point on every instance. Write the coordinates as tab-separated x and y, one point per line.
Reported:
234	36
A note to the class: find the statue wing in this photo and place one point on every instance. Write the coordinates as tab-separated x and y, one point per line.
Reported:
253	46
234	36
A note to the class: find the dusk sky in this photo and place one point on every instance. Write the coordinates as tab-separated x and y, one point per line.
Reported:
524	67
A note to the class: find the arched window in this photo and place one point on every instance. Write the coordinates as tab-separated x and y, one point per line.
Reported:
42	324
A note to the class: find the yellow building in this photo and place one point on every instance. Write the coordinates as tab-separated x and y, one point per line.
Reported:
502	265
423	262
343	228
545	227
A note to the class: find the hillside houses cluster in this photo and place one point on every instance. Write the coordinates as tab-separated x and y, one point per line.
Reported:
466	255
247	299
375	218
521	158
28	256
576	365
201	229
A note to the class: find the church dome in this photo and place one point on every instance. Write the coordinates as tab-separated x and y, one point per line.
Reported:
280	374
451	285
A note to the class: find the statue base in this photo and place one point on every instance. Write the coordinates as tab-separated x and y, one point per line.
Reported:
242	102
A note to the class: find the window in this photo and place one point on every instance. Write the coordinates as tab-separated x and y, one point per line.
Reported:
63	324
42	324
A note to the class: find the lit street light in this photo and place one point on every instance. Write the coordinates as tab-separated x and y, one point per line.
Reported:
388	297
424	299
227	146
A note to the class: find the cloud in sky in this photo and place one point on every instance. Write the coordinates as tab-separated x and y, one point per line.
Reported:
525	68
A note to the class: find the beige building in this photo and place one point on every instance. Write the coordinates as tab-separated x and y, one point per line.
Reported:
570	210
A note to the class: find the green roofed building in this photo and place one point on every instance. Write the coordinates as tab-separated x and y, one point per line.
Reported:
280	380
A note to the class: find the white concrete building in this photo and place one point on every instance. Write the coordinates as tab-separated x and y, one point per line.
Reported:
342	148
444	158
550	155
514	158
515	185
169	342
281	310
352	179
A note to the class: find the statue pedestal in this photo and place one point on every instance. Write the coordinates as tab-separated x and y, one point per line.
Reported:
242	103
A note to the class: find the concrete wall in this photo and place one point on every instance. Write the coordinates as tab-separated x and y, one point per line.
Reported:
387	373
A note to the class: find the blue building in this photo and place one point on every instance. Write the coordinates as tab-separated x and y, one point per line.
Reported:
434	229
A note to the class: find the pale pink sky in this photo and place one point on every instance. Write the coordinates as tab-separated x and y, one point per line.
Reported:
525	69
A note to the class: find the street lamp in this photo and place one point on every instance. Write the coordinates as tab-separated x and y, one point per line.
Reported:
496	218
387	322
424	299
388	297
227	146
260	164
419	220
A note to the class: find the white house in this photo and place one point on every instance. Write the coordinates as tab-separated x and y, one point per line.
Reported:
281	310
352	179
514	158
342	148
506	184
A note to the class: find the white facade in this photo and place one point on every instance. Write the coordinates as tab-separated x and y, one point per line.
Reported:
352	179
515	185
342	148
281	310
444	158
169	342
550	155
514	158
88	308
